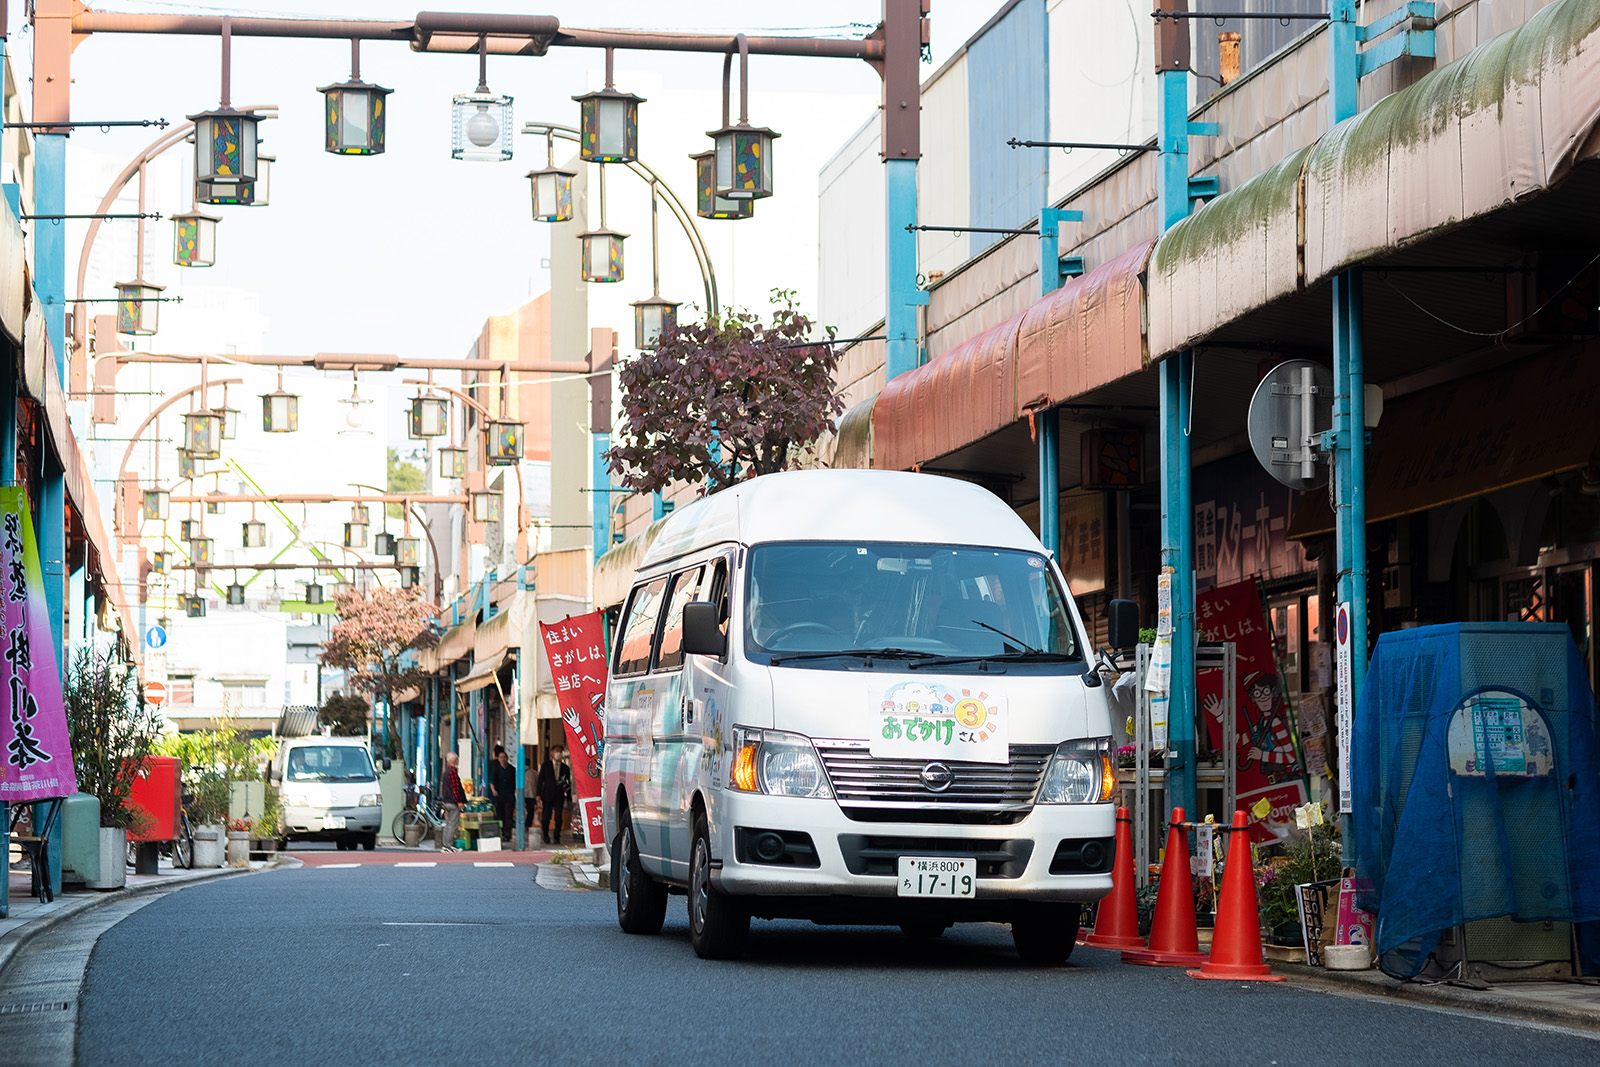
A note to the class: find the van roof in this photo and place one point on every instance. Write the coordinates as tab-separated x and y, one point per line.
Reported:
844	505
318	739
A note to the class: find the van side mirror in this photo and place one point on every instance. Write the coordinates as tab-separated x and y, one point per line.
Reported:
1122	618
386	763
701	637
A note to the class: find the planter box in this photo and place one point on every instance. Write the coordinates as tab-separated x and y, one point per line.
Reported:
238	847
113	860
209	849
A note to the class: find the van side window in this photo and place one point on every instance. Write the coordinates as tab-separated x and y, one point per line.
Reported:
633	651
717	593
685	587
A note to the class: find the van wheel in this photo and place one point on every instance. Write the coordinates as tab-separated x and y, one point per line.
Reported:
641	901
1045	934
717	924
369	841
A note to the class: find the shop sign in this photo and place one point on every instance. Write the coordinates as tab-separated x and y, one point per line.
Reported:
1083	542
1241	522
576	649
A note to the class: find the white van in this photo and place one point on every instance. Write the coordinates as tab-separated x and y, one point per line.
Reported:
857	697
329	791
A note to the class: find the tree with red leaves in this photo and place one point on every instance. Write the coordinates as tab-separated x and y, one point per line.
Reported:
724	400
374	632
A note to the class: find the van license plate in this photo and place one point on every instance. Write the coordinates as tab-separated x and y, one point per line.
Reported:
938	877
333	822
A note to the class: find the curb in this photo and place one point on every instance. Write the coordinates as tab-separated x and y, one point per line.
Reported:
1489	1002
13	942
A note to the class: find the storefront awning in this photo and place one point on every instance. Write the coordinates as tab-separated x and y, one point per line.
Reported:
456	642
1084	335
481	676
1524	421
1505	122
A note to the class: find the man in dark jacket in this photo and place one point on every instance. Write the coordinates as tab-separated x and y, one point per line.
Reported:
552	798
503	790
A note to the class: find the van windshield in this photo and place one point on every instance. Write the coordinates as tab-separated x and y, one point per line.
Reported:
927	604
329	763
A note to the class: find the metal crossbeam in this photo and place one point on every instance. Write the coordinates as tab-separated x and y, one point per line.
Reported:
1070	145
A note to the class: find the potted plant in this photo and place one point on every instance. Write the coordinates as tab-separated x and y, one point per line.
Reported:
238	842
265	828
208	810
112	732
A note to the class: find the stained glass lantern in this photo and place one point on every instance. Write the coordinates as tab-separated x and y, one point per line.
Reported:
602	255
213	507
201	550
194	607
202	434
359	513
138	307
552	194
608	126
224	146
354	117
261	188
230	421
650	318
383	543
485	505
158	563
743	161
707	204
155	503
231	195
255	534
280	411
189	529
187	466
236	594
355	535
452	462
339	589
194	239
313	593
409	576
480	127
408	551
503	440
430	416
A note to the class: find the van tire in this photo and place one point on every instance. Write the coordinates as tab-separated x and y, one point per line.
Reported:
641	901
1044	934
718	925
369	841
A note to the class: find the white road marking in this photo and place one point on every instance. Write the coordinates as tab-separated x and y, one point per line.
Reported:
441	924
482	864
415	864
337	866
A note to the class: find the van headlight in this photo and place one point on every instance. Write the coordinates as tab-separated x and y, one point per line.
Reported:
777	763
371	800
1080	772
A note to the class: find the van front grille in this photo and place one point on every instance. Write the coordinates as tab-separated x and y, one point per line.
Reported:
877	790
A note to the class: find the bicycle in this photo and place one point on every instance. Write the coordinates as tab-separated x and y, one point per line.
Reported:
423	813
180	851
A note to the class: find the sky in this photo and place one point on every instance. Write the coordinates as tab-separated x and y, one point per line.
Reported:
410	251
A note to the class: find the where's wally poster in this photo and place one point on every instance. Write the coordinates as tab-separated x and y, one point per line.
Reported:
35	755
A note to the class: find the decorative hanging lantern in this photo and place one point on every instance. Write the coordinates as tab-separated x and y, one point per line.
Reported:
480	121
313	593
485	505
189	530
355	535
707	204
383	543
359	513
743	152
156	503
552	194
224	146
409	576
650	318
339	589
240	194
261	188
194	239
214	507
200	550
187	467
138	307
608	123
355	112
194	606
452	462
158	563
408	551
229	417
280	410
255	534
202	434
503	441
430	416
236	594
602	248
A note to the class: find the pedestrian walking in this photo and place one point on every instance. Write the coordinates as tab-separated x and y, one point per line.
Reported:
503	790
564	777
454	797
551	796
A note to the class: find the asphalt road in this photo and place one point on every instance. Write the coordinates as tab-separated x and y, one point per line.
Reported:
457	964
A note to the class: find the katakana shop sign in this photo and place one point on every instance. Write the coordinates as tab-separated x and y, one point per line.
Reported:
576	647
35	754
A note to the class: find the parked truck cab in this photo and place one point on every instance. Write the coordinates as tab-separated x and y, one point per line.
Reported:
856	697
328	789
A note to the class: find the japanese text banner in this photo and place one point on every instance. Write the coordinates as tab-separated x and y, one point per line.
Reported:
35	754
576	648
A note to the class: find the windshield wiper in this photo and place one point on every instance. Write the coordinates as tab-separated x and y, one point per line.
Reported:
1019	642
864	653
1031	656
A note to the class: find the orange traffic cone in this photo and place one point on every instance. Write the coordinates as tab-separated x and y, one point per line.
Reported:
1116	924
1236	946
1174	940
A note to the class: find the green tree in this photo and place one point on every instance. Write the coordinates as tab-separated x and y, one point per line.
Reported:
374	633
345	715
403	478
112	731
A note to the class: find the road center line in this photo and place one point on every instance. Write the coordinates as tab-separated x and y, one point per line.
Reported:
441	924
335	866
500	864
430	863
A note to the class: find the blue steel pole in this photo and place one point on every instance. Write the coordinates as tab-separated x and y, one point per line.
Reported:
900	316
1049	422
516	747
601	497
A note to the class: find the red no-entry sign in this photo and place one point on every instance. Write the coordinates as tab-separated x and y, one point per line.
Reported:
155	693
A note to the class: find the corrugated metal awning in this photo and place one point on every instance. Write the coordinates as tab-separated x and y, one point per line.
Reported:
481	676
1504	122
1084	335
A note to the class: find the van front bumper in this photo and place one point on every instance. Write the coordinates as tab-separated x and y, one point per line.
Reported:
310	822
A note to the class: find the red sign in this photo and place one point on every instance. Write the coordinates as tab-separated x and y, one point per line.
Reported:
155	693
1268	761
576	647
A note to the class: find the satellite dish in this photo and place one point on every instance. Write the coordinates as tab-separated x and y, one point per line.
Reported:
1293	403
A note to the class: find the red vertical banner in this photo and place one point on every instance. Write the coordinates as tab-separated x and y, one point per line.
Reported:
1268	785
576	648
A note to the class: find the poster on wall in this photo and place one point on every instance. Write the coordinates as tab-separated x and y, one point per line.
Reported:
576	647
1269	766
35	753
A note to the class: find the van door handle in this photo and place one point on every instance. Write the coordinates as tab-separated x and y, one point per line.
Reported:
688	710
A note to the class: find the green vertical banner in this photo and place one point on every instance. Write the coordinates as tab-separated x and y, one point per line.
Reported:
35	752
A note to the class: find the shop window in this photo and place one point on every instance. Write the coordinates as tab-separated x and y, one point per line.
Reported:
181	688
245	694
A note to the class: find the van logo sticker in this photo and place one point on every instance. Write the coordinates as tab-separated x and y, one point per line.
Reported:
932	720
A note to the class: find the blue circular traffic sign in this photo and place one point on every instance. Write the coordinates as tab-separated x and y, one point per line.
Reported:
155	637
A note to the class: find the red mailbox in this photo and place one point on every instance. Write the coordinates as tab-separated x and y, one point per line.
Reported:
158	792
